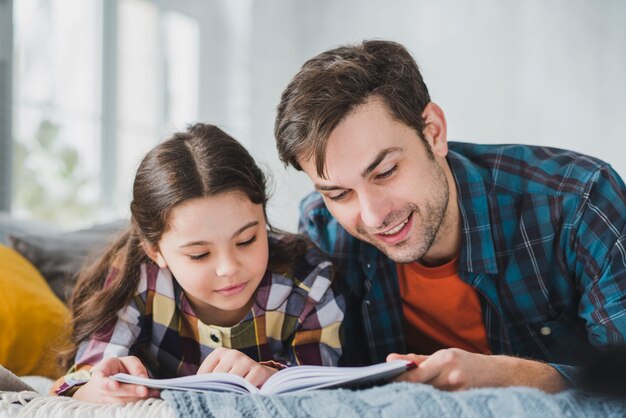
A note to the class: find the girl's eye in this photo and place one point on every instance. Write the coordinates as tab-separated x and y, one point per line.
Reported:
247	243
387	173
199	256
339	197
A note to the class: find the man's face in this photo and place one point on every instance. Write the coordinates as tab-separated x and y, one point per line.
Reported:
383	186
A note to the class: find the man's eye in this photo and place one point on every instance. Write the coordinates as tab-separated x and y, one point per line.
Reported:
199	256
387	173
247	243
339	197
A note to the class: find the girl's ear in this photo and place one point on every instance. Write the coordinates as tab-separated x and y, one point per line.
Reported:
153	252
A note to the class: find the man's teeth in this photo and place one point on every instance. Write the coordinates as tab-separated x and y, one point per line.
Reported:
396	229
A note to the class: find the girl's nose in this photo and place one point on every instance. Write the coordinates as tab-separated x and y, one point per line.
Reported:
227	266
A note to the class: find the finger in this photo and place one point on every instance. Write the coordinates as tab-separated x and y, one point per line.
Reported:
242	368
415	358
117	389
134	366
427	371
97	374
108	366
257	376
111	385
450	363
141	391
209	363
233	360
122	399
224	366
114	388
449	380
154	393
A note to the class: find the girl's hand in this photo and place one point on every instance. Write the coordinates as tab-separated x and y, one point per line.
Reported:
226	360
102	389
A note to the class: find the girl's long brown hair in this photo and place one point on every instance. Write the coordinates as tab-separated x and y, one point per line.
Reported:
202	161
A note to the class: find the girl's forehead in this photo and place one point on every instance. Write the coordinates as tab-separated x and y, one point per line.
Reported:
222	202
212	218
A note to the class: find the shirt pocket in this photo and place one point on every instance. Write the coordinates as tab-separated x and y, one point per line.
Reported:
561	340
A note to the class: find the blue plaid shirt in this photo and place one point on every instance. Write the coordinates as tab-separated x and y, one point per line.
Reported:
543	244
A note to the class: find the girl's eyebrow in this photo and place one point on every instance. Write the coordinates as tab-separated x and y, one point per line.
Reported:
237	232
192	243
246	226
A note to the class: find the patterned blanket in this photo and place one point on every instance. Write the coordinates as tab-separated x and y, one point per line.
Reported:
397	400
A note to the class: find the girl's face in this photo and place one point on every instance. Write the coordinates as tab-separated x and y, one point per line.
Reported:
217	249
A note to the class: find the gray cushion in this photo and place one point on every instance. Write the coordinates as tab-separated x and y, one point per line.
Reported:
11	225
59	257
10	382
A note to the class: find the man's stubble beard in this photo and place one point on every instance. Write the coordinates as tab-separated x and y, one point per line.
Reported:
418	243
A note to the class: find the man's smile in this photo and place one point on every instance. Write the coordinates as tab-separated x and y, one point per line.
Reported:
397	233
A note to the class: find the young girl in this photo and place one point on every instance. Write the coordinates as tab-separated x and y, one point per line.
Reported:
199	282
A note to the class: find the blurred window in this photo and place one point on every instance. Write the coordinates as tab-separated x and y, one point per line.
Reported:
64	120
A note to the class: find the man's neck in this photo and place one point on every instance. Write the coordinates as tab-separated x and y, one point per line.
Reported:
447	243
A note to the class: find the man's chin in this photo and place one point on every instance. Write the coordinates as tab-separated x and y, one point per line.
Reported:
401	258
402	253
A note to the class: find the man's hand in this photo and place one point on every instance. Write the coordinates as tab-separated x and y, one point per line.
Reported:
102	389
227	360
455	369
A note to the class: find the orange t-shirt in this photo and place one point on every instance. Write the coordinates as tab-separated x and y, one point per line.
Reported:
440	310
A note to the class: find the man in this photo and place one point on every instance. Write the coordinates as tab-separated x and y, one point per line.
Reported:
490	265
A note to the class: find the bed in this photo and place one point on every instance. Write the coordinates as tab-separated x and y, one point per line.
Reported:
38	264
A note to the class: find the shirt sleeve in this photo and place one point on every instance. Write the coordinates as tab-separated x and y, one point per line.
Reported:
317	336
115	339
316	223
572	374
600	250
598	255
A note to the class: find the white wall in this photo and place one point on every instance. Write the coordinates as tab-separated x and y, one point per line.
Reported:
535	72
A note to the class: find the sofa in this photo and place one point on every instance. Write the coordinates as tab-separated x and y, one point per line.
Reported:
38	267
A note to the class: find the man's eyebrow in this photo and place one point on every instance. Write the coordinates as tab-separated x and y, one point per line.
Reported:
323	188
379	158
237	232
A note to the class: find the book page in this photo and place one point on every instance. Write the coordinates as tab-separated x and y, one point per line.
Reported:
223	382
301	378
292	379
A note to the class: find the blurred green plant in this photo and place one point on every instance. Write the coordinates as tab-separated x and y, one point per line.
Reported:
47	183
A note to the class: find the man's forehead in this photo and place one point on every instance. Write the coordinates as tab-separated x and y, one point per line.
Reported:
334	170
309	166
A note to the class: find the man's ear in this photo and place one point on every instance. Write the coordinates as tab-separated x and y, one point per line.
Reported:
435	129
152	251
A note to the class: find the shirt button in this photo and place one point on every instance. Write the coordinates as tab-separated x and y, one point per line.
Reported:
368	265
545	331
367	301
215	338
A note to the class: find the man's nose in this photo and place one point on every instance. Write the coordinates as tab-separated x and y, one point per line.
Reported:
374	210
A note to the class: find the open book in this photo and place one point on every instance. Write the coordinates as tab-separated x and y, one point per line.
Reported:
291	379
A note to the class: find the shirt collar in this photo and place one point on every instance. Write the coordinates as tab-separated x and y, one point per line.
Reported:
477	249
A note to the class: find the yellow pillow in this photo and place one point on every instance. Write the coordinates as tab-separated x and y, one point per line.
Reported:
33	321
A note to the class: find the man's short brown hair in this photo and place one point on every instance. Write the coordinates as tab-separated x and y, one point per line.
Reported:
332	84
